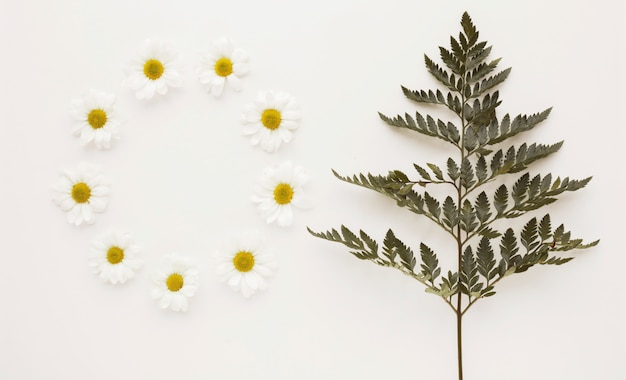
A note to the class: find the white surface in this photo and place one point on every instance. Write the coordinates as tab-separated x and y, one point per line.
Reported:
182	176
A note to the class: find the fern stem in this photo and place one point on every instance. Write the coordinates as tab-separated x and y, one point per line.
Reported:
460	243
459	308
459	334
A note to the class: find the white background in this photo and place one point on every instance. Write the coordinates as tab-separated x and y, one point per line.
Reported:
182	176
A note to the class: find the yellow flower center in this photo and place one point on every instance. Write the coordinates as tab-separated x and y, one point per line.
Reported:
243	261
283	193
81	192
271	119
115	255
153	69
175	282
223	67
97	118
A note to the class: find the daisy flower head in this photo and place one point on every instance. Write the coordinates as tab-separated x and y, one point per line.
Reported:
278	190
244	263
81	194
175	281
223	63
96	117
114	258
271	119
155	71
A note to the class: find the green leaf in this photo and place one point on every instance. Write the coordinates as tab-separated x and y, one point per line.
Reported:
491	82
450	282
469	29
467	174
451	61
468	217
398	176
482	207
433	205
481	169
438	73
478	58
545	228
557	260
521	123
359	248
450	214
534	186
545	183
500	199
520	188
422	172
426	126
350	239
372	245
526	155
421	96
529	236
405	190
496	163
430	263
453	170
485	260
459	52
406	256
469	272
470	140
508	252
482	70
389	250
489	233
436	171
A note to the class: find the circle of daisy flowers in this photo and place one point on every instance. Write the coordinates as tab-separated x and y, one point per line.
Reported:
271	120
278	190
95	112
155	71
223	63
175	281
114	258
244	263
81	194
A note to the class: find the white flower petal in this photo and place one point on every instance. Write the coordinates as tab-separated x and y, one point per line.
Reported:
144	87
86	212
74	216
175	300
263	197
77	213
218	49
234	82
285	217
95	100
270	140
244	282
119	272
217	86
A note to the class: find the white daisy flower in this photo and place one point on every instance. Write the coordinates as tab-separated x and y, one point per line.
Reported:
244	263
114	258
271	119
81	194
278	190
155	71
223	63
95	112
175	281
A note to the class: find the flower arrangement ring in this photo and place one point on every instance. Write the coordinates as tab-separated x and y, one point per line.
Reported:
269	122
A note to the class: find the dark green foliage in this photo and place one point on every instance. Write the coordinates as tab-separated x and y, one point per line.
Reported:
451	193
